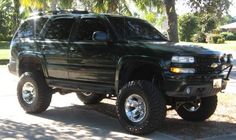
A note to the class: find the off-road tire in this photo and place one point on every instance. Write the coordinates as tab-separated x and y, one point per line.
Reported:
43	93
207	108
91	99
155	107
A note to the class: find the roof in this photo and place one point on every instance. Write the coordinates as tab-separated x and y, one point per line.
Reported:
229	26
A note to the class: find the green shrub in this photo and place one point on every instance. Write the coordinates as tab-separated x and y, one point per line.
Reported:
231	37
199	37
220	40
215	38
188	26
228	35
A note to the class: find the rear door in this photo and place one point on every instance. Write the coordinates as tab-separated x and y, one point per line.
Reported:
55	46
90	60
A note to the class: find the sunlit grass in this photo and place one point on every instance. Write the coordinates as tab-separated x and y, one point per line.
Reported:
227	46
4	54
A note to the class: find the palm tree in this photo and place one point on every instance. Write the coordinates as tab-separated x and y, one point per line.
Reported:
107	6
160	6
44	4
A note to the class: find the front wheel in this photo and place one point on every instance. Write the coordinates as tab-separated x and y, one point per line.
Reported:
198	110
33	93
140	107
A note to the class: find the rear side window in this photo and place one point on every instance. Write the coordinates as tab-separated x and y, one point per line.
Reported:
59	29
26	30
31	28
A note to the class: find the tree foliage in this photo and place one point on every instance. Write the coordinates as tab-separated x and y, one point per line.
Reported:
6	19
188	26
208	23
162	7
213	7
107	6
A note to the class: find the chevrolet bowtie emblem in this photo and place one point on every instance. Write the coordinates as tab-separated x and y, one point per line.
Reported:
214	65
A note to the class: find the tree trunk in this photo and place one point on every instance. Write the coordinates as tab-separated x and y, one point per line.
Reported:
16	14
54	5
44	5
172	20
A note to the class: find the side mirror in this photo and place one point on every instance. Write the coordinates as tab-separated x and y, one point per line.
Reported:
100	36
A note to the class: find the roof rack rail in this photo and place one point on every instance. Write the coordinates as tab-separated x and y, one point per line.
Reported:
68	11
42	13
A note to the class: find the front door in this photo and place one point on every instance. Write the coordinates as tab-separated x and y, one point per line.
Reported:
90	60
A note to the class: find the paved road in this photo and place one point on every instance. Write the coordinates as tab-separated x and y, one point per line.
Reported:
68	118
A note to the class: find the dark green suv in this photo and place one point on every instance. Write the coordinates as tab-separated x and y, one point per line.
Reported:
102	56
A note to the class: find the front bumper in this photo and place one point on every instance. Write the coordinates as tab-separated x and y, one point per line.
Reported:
194	85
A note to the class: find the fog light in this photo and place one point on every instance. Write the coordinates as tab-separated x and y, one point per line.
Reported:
182	70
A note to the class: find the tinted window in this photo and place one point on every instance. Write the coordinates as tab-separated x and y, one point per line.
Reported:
59	29
31	28
134	29
38	24
84	31
26	30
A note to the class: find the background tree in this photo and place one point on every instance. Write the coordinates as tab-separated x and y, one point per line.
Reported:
188	26
107	6
160	6
16	13
7	21
208	23
172	20
213	7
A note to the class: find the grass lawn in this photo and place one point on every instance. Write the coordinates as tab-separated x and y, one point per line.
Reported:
4	54
227	46
4	50
4	45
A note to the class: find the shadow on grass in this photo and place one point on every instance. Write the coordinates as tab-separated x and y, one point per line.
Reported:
4	61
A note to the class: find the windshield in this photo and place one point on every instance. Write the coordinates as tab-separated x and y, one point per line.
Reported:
135	29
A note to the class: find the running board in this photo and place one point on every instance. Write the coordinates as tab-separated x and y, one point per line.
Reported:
80	86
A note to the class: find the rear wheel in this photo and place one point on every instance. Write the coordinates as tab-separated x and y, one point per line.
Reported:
33	93
90	97
140	107
198	110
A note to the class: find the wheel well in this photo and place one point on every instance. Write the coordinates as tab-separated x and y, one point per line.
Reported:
30	65
144	72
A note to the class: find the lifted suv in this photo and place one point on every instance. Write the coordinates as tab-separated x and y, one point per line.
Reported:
101	55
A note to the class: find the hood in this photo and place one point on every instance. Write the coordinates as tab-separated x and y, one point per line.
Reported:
176	48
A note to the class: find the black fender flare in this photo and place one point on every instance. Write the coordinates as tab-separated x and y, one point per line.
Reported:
31	57
130	63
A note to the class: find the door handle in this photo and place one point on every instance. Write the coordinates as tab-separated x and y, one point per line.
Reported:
44	47
72	49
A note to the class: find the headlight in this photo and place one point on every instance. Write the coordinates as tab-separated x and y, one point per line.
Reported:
182	70
182	59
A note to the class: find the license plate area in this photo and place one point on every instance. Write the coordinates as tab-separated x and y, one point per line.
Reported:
217	83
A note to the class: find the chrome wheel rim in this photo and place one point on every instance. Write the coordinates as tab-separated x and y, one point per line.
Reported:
192	106
28	93
135	108
87	93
